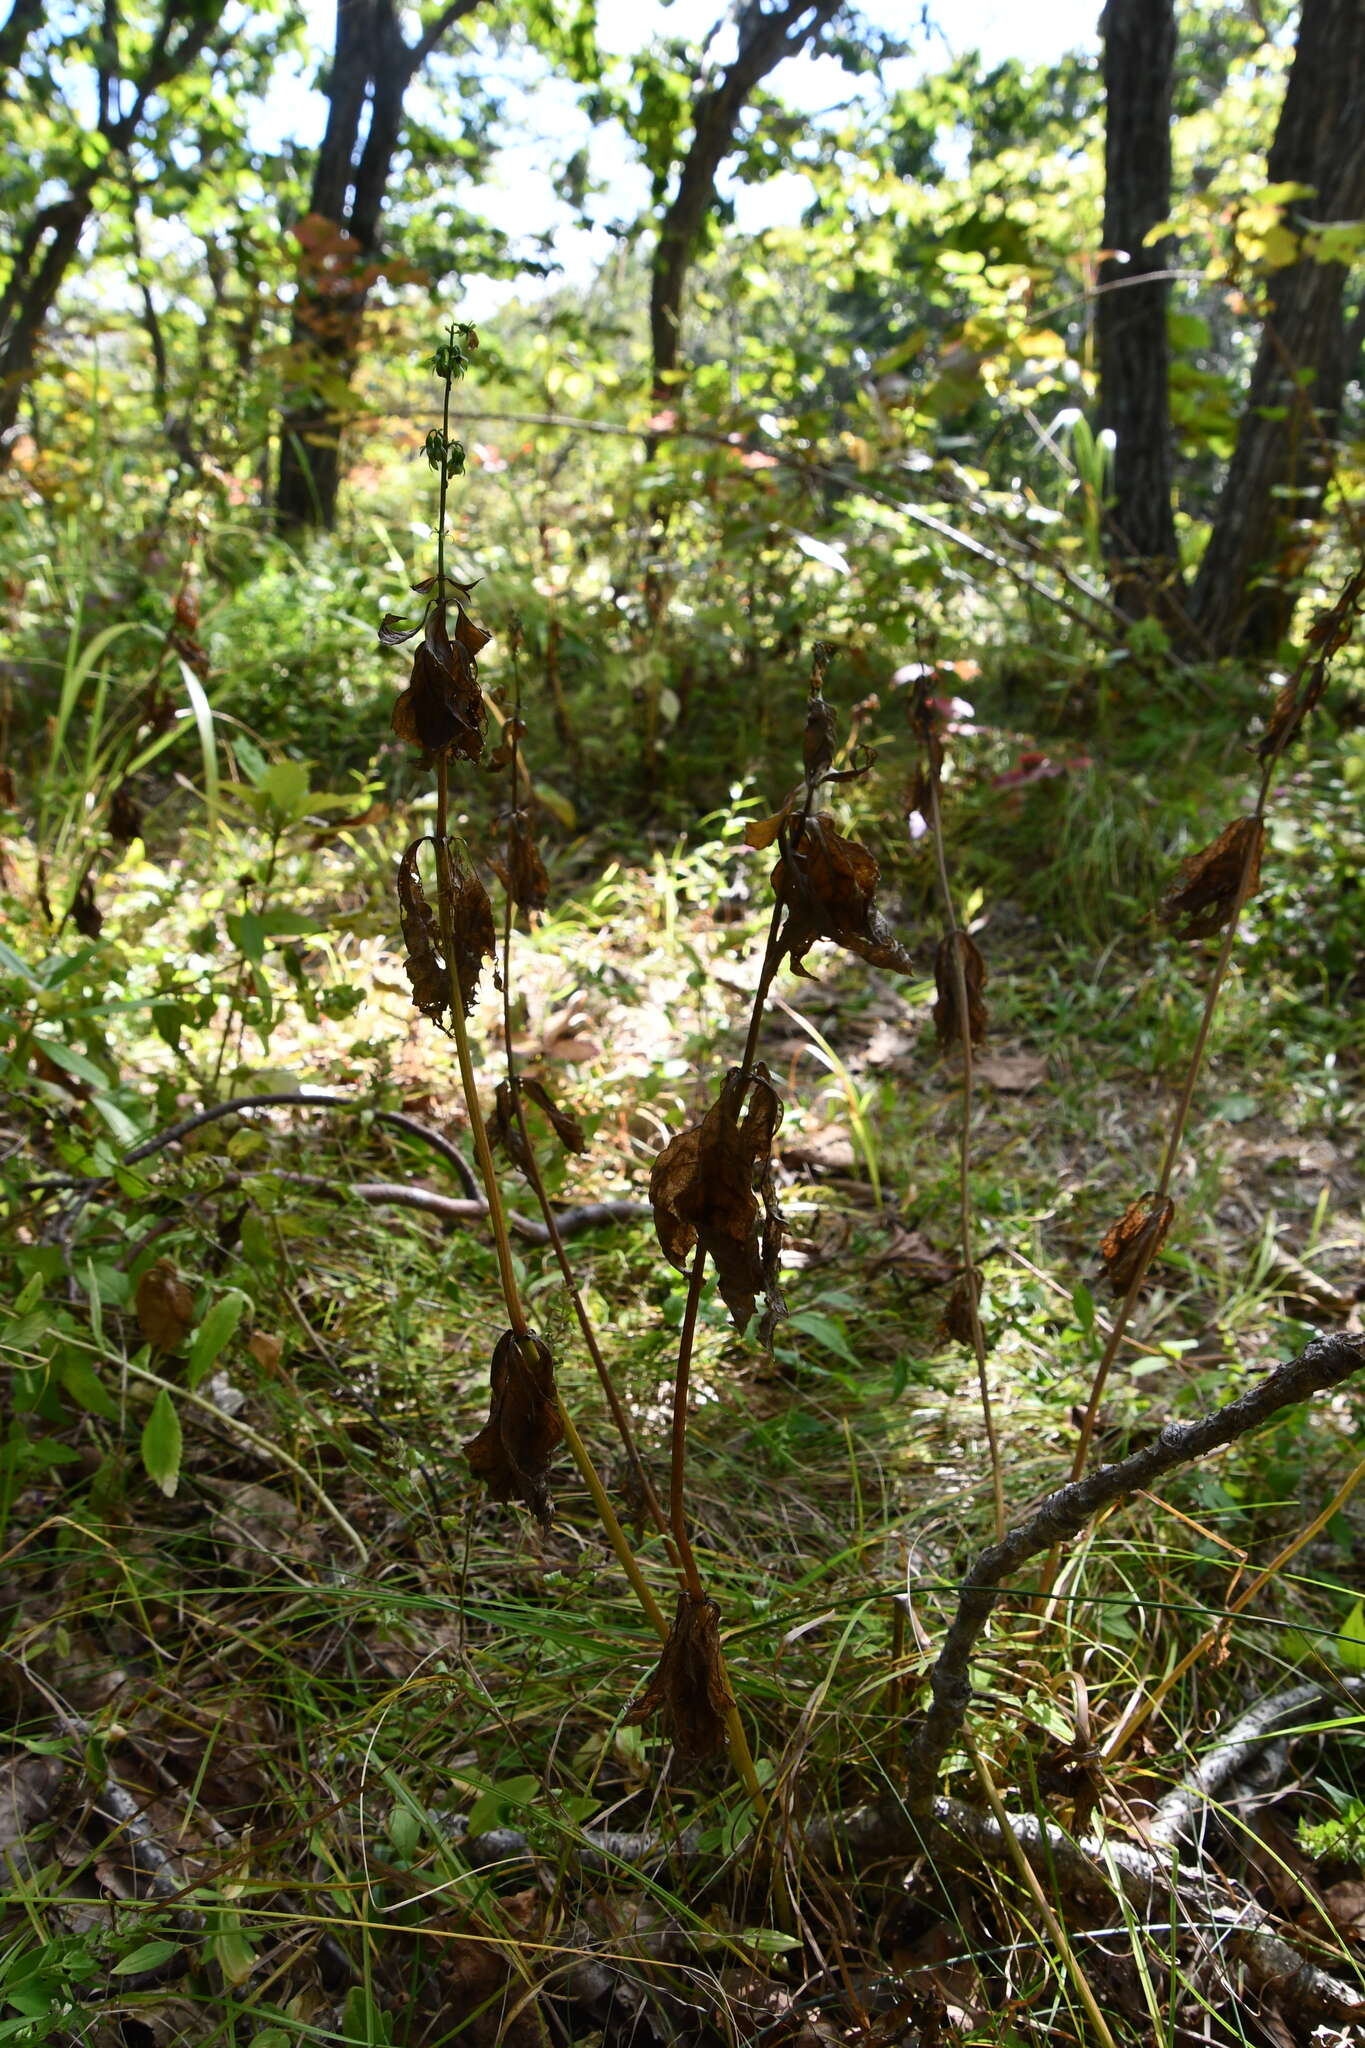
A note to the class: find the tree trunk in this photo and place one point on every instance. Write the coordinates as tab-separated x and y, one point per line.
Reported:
1130	314
37	274
1266	525
764	40
373	67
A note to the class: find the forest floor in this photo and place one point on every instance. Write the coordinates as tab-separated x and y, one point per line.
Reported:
320	1745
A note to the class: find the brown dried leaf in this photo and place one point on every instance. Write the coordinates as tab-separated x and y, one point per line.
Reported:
956	1320
523	874
86	914
512	1451
504	1131
267	1350
566	1128
1328	633
442	709
829	884
820	738
513	733
1134	1241
125	816
947	1021
688	1683
702	1192
1206	894
425	967
165	1306
471	917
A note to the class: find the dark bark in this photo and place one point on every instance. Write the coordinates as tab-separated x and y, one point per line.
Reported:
1130	312
23	19
48	246
1265	529
766	37
372	69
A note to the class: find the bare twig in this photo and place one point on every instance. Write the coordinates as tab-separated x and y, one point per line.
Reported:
1324	1363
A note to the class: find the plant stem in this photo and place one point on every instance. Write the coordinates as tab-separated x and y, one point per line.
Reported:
531	1167
497	1216
677	1505
964	1169
1174	1140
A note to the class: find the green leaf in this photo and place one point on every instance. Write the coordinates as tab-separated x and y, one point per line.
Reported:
213	1334
1083	1303
405	1831
150	1955
1350	1642
284	785
86	1388
825	1331
234	1954
162	1444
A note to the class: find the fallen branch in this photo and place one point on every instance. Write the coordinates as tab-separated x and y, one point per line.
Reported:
451	1209
1324	1363
394	1118
1228	1922
1227	1761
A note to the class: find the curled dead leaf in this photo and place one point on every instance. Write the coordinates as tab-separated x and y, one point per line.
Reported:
1203	900
1134	1241
829	886
165	1306
703	1192
125	816
947	1016
86	914
1327	635
512	1451
504	1131
442	710
687	1686
471	921
820	738
566	1128
522	873
956	1320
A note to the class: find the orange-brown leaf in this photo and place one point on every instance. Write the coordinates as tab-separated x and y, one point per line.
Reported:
687	1686
1203	900
1134	1241
512	1451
